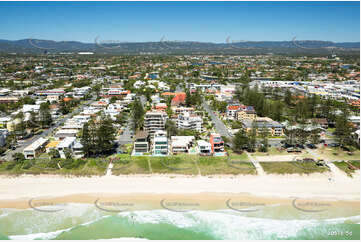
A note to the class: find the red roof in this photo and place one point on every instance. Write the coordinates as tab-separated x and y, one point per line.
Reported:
179	98
233	107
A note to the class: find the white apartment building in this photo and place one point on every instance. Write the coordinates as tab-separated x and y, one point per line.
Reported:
189	121
154	121
204	147
160	143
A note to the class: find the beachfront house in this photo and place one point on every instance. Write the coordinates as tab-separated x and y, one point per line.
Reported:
141	143
160	143
34	149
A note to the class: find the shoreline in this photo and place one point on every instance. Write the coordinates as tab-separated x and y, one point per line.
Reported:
316	186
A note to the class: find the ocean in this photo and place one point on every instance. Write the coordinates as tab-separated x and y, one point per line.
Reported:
86	221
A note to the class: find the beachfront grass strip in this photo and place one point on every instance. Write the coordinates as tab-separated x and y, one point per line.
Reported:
179	164
72	167
210	165
337	154
127	165
271	151
342	165
293	167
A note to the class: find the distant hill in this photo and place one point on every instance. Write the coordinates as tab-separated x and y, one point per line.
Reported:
37	46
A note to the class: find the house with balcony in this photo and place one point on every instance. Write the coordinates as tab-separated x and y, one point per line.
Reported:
160	143
204	147
141	143
181	144
217	144
154	121
190	122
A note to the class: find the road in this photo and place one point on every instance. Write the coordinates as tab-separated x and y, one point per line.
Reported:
125	137
23	144
218	124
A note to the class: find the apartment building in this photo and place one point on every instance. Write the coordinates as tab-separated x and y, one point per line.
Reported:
274	127
154	121
160	143
141	143
190	122
217	143
247	113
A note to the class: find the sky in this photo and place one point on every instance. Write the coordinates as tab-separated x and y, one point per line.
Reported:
112	22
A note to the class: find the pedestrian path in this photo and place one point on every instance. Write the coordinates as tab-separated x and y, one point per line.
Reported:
109	169
256	164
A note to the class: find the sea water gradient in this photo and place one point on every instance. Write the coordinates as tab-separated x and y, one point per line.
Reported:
85	221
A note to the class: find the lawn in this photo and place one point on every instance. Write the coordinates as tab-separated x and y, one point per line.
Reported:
271	151
131	165
221	165
79	167
337	154
342	165
292	168
179	164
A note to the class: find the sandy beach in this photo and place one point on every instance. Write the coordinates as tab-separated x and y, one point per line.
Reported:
22	188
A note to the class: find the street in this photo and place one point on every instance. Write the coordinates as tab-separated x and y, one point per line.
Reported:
23	144
218	124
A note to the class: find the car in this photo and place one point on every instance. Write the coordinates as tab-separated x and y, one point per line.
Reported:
322	141
311	146
301	146
308	160
345	148
334	145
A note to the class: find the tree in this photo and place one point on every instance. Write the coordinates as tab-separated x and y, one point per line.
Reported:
264	132
44	115
86	140
288	97
138	113
54	153
252	137
113	99
171	128
68	153
18	157
343	130
240	140
105	136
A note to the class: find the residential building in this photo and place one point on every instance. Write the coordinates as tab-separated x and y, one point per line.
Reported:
63	133
141	143
246	113
190	122
66	143
181	144
217	143
204	147
160	143
154	121
232	110
274	127
34	149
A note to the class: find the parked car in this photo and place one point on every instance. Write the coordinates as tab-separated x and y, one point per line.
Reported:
334	145
301	146
311	146
308	160
345	148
